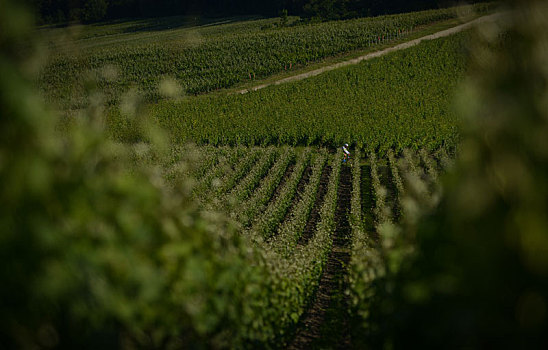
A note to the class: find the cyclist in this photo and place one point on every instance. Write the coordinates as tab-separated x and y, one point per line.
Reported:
346	152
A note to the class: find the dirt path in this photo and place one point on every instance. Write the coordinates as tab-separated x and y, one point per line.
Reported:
380	53
325	323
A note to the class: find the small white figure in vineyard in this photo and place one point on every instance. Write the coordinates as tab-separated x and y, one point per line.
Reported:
346	152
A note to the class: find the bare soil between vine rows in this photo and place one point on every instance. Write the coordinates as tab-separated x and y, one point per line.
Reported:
325	325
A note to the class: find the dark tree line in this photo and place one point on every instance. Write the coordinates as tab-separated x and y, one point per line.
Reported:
59	11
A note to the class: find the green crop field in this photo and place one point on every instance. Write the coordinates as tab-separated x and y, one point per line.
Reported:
203	58
143	209
292	208
399	100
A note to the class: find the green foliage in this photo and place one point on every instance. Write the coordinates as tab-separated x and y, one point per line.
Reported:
263	194
105	244
475	273
276	300
376	262
98	249
201	58
291	229
399	100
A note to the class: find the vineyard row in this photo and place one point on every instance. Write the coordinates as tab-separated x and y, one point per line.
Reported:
285	200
